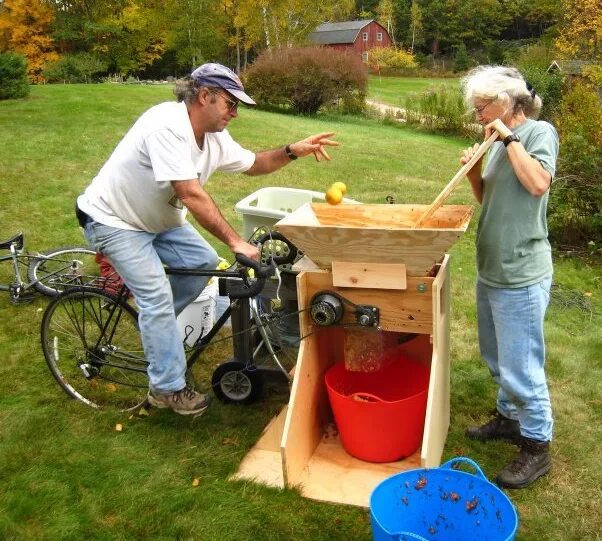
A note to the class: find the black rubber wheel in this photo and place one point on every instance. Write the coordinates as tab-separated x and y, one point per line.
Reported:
56	270
92	346
234	382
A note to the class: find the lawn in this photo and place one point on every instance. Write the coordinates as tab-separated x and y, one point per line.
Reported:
66	473
395	90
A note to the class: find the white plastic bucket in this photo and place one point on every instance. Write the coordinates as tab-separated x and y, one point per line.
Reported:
200	315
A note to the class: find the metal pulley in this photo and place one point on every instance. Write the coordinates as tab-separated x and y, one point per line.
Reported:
326	309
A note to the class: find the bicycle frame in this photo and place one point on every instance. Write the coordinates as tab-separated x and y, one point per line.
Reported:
16	256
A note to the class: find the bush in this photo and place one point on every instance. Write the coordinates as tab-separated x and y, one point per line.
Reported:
391	59
307	78
575	215
533	62
13	76
440	109
75	68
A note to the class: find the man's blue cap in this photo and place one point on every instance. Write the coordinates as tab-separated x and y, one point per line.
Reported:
216	75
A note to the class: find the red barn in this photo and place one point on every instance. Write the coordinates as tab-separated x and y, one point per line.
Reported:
361	36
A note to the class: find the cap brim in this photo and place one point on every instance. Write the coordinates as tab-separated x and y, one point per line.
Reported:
239	94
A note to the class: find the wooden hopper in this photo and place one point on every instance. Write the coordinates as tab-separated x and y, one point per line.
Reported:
375	234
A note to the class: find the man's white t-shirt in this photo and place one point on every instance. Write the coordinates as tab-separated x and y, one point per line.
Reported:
133	189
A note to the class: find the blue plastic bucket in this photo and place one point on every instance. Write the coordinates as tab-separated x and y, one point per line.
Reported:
441	504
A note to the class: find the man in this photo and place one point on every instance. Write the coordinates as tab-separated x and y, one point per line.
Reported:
134	212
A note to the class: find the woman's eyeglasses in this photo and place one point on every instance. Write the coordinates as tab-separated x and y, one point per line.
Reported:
480	109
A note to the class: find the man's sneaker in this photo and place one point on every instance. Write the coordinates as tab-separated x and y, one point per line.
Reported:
499	428
532	462
186	401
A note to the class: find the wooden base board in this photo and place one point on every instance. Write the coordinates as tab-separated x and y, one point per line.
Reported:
332	475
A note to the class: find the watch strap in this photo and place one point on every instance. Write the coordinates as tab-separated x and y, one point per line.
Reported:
510	139
289	153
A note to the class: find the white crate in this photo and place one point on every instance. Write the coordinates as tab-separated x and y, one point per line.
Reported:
268	205
199	315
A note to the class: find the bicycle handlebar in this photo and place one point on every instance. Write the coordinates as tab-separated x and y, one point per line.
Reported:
246	290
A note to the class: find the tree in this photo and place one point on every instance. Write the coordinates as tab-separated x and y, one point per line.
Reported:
25	27
581	30
13	76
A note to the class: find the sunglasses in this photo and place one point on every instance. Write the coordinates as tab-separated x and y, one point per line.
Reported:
232	104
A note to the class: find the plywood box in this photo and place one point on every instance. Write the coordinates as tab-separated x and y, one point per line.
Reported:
301	447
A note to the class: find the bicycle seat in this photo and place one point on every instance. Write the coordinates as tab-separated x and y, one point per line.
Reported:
17	240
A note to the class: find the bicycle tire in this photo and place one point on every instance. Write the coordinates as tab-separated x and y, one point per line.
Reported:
105	370
53	273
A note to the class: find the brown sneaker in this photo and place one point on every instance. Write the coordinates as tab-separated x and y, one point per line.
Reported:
186	401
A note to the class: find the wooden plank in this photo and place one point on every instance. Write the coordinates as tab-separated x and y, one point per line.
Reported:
263	463
308	409
334	476
458	177
409	310
437	409
369	275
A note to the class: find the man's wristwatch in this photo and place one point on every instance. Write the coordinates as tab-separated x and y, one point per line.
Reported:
289	153
510	139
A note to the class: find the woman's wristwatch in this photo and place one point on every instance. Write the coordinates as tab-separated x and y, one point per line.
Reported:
510	139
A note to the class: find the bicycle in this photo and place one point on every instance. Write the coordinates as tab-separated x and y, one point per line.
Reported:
92	345
49	272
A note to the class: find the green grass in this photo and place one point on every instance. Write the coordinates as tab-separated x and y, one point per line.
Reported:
67	474
395	90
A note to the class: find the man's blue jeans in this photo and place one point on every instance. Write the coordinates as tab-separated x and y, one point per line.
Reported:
511	339
139	258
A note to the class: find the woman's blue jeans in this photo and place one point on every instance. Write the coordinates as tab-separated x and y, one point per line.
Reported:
139	258
511	339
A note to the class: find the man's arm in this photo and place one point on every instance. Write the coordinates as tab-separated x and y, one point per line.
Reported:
205	211
269	161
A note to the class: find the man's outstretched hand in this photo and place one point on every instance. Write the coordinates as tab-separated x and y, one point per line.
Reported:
314	144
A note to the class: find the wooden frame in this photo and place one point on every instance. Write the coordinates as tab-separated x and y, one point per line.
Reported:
300	447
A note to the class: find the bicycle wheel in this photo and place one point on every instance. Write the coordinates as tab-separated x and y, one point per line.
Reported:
92	346
55	270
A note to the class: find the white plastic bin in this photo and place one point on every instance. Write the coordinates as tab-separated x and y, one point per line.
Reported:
199	315
268	205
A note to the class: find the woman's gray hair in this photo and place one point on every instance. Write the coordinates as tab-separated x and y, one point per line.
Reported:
186	90
491	83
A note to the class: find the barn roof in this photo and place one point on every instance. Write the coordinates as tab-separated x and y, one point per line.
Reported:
571	67
331	33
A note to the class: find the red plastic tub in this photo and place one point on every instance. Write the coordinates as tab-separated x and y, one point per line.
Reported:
380	415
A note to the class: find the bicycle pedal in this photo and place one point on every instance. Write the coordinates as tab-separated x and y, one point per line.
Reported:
23	298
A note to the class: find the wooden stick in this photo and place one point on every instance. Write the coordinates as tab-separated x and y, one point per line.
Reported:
456	180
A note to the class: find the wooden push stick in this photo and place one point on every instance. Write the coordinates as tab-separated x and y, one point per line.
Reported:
446	192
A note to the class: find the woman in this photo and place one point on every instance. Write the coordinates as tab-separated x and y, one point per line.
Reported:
514	263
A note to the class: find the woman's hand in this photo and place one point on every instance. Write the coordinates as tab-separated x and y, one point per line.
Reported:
497	126
468	153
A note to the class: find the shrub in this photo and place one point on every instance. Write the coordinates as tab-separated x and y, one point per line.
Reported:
391	59
74	68
13	76
439	109
575	216
307	78
533	62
